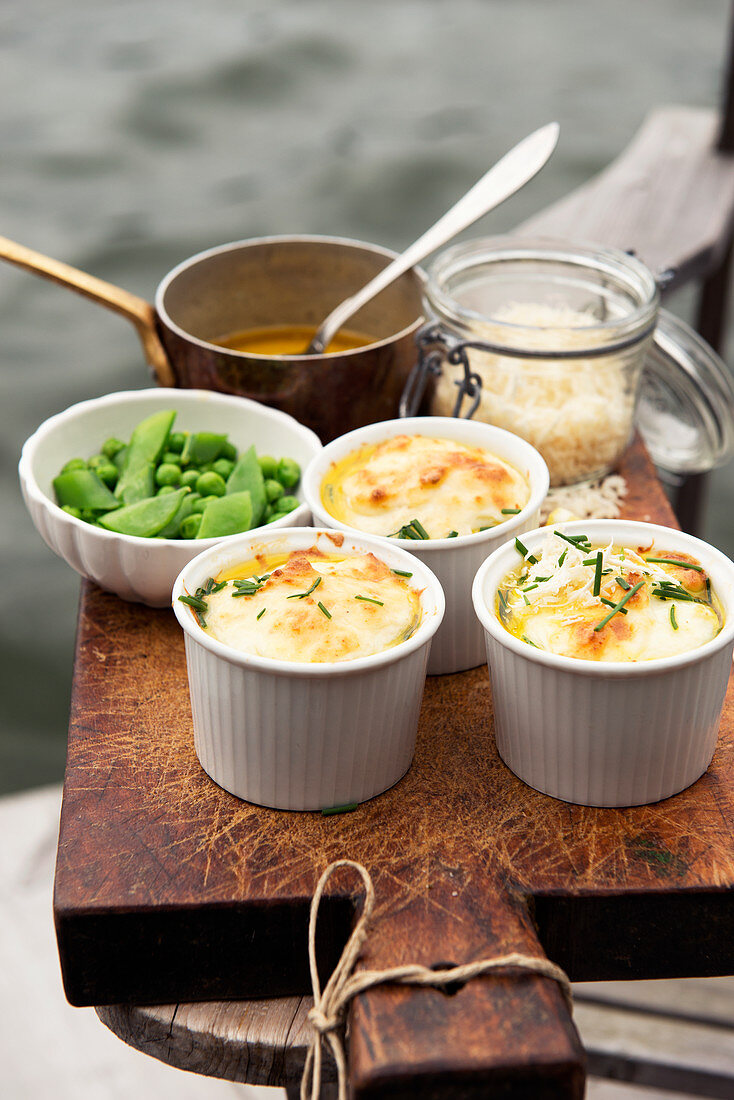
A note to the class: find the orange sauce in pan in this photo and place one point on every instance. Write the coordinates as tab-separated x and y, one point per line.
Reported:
288	340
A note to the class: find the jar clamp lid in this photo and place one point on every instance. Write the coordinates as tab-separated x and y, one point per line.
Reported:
685	410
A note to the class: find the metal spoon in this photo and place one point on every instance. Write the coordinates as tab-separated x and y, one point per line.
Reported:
502	180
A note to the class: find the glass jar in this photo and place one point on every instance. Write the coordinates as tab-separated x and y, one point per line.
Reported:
556	333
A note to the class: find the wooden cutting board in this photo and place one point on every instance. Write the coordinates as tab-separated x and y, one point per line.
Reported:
169	889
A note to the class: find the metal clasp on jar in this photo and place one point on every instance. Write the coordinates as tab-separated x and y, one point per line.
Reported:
436	347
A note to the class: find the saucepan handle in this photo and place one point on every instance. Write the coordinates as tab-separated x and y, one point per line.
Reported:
137	310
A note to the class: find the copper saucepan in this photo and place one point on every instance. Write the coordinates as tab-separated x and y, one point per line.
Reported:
266	282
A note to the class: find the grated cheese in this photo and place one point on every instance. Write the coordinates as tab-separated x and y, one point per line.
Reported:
577	413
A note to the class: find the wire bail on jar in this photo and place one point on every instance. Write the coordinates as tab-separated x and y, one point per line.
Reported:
436	346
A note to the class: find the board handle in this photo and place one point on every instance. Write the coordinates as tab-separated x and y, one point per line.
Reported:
508	1031
138	310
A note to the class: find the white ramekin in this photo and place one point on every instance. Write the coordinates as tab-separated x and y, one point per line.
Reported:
142	569
296	736
459	643
604	733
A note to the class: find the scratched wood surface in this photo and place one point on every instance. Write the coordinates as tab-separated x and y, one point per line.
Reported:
169	889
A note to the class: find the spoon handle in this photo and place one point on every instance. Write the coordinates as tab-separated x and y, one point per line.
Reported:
502	180
135	309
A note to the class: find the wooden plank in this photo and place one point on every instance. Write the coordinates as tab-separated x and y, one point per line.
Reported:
467	861
706	1001
650	1050
669	196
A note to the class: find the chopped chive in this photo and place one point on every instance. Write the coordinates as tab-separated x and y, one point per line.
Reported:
680	564
212	586
530	587
623	583
673	623
597	573
540	580
200	619
401	573
589	561
369	599
412	530
323	609
302	595
523	550
562	557
196	602
618	607
576	540
510	511
527	601
533	644
501	598
488	527
453	535
611	603
261	613
346	809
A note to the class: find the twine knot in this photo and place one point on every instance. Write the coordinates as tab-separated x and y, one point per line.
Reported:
322	1023
329	1009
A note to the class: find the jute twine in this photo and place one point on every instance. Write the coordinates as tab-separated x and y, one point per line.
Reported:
329	1008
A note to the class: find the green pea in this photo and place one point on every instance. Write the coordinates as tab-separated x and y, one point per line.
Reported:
223	467
289	473
108	473
190	478
112	446
74	464
164	489
228	451
96	461
170	456
168	474
190	526
211	484
268	465
273	490
286	504
201	503
176	442
75	512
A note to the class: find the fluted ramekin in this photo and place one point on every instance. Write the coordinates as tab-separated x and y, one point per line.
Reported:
305	736
459	643
607	733
143	569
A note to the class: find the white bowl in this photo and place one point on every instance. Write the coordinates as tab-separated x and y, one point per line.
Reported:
459	644
297	736
143	569
607	733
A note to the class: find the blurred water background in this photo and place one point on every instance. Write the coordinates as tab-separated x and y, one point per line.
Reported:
134	133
